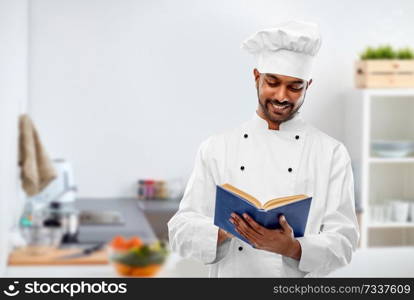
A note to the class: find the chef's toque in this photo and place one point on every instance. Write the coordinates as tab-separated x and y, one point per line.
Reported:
287	49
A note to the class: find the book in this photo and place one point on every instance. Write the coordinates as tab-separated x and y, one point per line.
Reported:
230	199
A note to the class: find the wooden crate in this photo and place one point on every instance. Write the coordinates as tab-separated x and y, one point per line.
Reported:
387	73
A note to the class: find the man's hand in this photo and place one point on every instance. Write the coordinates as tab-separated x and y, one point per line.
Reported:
222	236
281	241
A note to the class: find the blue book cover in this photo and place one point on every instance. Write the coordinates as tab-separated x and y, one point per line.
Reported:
230	199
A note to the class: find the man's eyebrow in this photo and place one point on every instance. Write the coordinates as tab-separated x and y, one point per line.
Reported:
277	78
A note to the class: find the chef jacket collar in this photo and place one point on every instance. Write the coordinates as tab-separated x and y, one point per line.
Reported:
294	124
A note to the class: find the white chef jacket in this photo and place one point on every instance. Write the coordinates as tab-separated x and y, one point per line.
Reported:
296	159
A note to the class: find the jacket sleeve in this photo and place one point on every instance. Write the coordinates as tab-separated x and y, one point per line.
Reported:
332	248
191	230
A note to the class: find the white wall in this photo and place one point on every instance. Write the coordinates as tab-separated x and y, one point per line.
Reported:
128	89
13	95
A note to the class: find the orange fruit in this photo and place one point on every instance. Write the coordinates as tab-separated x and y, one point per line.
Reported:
119	243
135	242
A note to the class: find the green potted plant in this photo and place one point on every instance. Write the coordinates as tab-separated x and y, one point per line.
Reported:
385	67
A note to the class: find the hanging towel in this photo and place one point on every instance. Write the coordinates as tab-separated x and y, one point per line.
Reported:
37	169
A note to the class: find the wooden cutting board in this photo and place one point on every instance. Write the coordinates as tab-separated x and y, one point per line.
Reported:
51	256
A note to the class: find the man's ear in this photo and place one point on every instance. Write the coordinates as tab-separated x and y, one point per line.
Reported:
256	74
309	83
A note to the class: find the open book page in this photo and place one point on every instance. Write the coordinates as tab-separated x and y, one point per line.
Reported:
242	194
273	203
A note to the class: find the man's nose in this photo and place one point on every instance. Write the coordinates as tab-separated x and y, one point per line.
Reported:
281	93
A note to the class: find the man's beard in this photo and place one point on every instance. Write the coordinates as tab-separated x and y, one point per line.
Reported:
288	117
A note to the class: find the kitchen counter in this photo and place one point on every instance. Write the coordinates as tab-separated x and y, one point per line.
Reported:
133	220
371	262
173	267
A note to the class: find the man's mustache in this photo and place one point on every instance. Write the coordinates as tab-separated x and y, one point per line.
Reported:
277	102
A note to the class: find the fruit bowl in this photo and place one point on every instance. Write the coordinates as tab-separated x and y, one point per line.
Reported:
134	258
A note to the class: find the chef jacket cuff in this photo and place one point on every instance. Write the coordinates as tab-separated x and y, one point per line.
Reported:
208	244
291	262
309	260
291	267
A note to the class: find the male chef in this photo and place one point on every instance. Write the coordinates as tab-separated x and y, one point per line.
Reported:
274	154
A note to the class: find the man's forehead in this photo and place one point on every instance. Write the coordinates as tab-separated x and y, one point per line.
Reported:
284	78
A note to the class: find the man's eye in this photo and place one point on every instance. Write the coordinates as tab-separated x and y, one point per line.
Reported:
298	87
272	83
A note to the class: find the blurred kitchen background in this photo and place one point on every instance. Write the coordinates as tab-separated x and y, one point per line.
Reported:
121	94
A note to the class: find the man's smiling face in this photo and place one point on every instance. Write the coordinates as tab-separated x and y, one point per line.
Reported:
280	97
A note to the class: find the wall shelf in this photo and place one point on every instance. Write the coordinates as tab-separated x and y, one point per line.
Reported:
380	160
392	225
380	114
